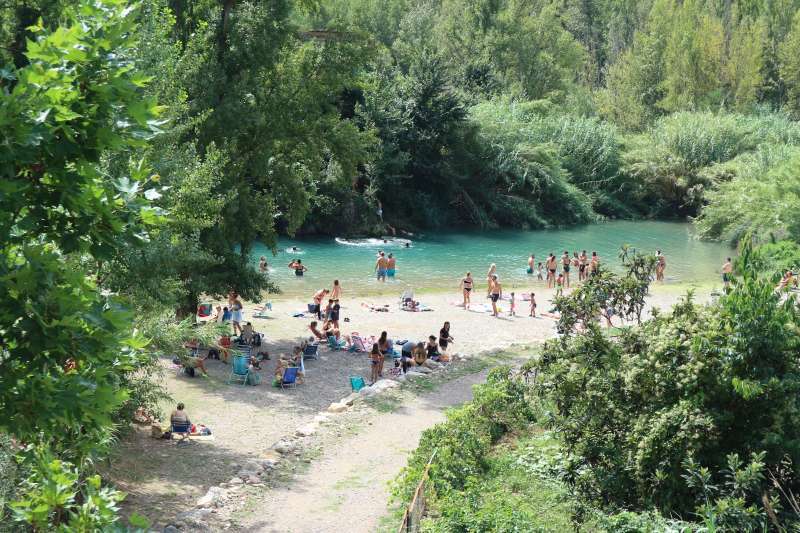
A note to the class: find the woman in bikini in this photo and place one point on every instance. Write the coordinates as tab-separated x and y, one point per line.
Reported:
466	289
298	267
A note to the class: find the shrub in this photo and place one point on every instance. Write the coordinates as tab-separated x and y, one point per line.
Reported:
689	387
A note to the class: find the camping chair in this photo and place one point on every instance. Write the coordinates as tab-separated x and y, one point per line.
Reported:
333	344
204	310
184	429
289	377
407	296
358	344
311	351
247	334
240	369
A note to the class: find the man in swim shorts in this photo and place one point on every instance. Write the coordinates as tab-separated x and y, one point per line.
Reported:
565	267
381	266
550	265
391	265
727	271
531	263
495	293
583	261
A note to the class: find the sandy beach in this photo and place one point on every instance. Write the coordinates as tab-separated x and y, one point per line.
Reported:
163	480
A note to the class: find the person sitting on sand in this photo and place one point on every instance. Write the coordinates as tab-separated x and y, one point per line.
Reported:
533	305
179	417
329	330
315	331
432	348
495	293
787	280
466	289
376	362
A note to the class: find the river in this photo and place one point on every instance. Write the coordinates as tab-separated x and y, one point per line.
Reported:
439	260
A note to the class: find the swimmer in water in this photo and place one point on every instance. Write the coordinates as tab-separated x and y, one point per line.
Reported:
298	267
408	245
262	265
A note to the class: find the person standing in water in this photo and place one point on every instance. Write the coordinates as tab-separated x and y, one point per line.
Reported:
531	263
298	267
380	266
550	265
391	266
466	289
565	262
495	293
727	272
661	265
262	265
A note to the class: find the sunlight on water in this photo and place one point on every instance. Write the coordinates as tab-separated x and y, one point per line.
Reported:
439	260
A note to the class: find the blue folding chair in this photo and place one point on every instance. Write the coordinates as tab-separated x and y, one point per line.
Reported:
289	377
311	351
240	368
181	429
333	344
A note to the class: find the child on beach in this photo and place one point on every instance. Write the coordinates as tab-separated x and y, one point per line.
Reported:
533	305
376	360
560	283
513	310
540	272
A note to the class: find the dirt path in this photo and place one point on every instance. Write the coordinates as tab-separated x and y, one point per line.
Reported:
347	488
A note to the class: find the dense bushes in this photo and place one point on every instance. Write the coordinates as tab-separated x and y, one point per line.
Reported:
462	443
638	415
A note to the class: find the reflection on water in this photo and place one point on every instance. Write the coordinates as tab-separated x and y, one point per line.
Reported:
439	260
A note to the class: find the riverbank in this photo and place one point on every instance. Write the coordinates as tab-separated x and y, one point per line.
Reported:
163	479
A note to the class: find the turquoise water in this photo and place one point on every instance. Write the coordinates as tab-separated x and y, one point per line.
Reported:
439	260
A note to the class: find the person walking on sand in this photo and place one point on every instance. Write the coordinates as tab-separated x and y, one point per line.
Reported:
531	264
565	262
298	267
381	265
495	293
336	292
661	265
533	305
391	266
550	265
466	289
512	309
727	272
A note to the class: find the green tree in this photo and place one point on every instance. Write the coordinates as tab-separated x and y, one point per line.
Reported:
790	65
67	350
